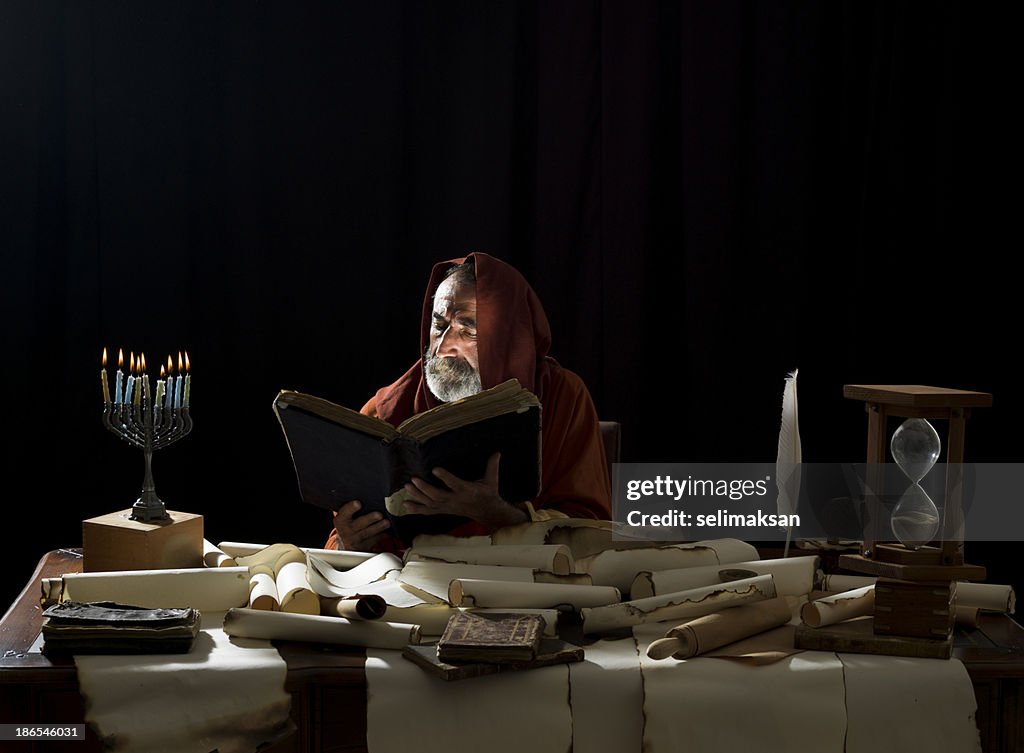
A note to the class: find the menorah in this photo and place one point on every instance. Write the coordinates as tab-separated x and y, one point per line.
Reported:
146	420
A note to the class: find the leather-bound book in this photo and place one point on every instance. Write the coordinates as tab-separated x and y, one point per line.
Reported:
110	628
340	455
493	637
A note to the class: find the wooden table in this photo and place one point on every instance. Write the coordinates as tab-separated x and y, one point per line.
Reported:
328	685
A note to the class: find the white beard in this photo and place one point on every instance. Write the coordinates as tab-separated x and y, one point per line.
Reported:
450	379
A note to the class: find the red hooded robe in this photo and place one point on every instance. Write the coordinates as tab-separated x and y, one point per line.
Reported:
513	341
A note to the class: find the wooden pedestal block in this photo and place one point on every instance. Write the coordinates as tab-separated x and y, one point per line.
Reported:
918	610
114	542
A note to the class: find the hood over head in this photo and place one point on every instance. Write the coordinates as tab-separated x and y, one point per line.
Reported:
513	337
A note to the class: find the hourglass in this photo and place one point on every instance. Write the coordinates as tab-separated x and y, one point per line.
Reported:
928	544
915	448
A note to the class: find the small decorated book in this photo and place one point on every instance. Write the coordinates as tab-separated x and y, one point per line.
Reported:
492	637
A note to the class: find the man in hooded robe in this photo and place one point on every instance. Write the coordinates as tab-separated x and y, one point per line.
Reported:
482	325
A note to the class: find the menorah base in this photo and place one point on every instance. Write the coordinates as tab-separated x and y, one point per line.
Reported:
116	542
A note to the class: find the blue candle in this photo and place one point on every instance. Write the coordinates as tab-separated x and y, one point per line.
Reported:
128	390
119	376
178	385
169	403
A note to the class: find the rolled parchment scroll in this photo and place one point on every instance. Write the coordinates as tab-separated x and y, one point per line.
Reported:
720	629
253	623
695	602
467	592
838	607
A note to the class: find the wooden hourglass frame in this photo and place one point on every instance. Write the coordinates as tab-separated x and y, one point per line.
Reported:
943	561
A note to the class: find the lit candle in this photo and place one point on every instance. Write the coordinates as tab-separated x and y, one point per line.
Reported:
188	380
145	380
159	391
131	380
169	403
179	384
103	378
118	376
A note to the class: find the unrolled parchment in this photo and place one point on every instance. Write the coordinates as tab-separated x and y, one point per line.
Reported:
508	713
549	557
607	696
433	577
838	607
703	704
253	623
719	629
388	587
695	602
466	592
224	694
922	704
793	576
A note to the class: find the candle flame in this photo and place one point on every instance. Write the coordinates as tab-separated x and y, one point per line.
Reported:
186	361
131	362
161	371
142	367
170	366
120	358
104	358
179	361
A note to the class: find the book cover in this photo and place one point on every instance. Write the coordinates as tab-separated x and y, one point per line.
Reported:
490	638
340	455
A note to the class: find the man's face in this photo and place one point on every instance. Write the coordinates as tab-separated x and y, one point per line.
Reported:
451	363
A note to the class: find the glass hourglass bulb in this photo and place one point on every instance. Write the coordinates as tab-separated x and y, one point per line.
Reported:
915	446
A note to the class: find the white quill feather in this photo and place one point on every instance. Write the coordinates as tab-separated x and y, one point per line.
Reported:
787	464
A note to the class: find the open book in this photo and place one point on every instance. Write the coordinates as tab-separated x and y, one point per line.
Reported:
341	455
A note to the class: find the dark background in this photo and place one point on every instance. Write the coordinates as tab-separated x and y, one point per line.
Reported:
705	196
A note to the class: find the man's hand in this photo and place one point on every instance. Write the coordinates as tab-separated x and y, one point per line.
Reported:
358	534
477	500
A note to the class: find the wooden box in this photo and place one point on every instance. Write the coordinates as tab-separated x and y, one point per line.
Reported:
920	610
115	542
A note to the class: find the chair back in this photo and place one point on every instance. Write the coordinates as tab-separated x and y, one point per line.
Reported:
611	434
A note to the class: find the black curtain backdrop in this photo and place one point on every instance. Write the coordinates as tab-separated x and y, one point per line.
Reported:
704	195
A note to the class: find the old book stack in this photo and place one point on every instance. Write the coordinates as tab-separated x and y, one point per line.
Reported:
108	628
475	644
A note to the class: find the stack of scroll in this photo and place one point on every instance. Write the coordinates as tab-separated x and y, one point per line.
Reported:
546	569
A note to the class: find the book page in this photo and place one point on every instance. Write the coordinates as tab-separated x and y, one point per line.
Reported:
318	406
